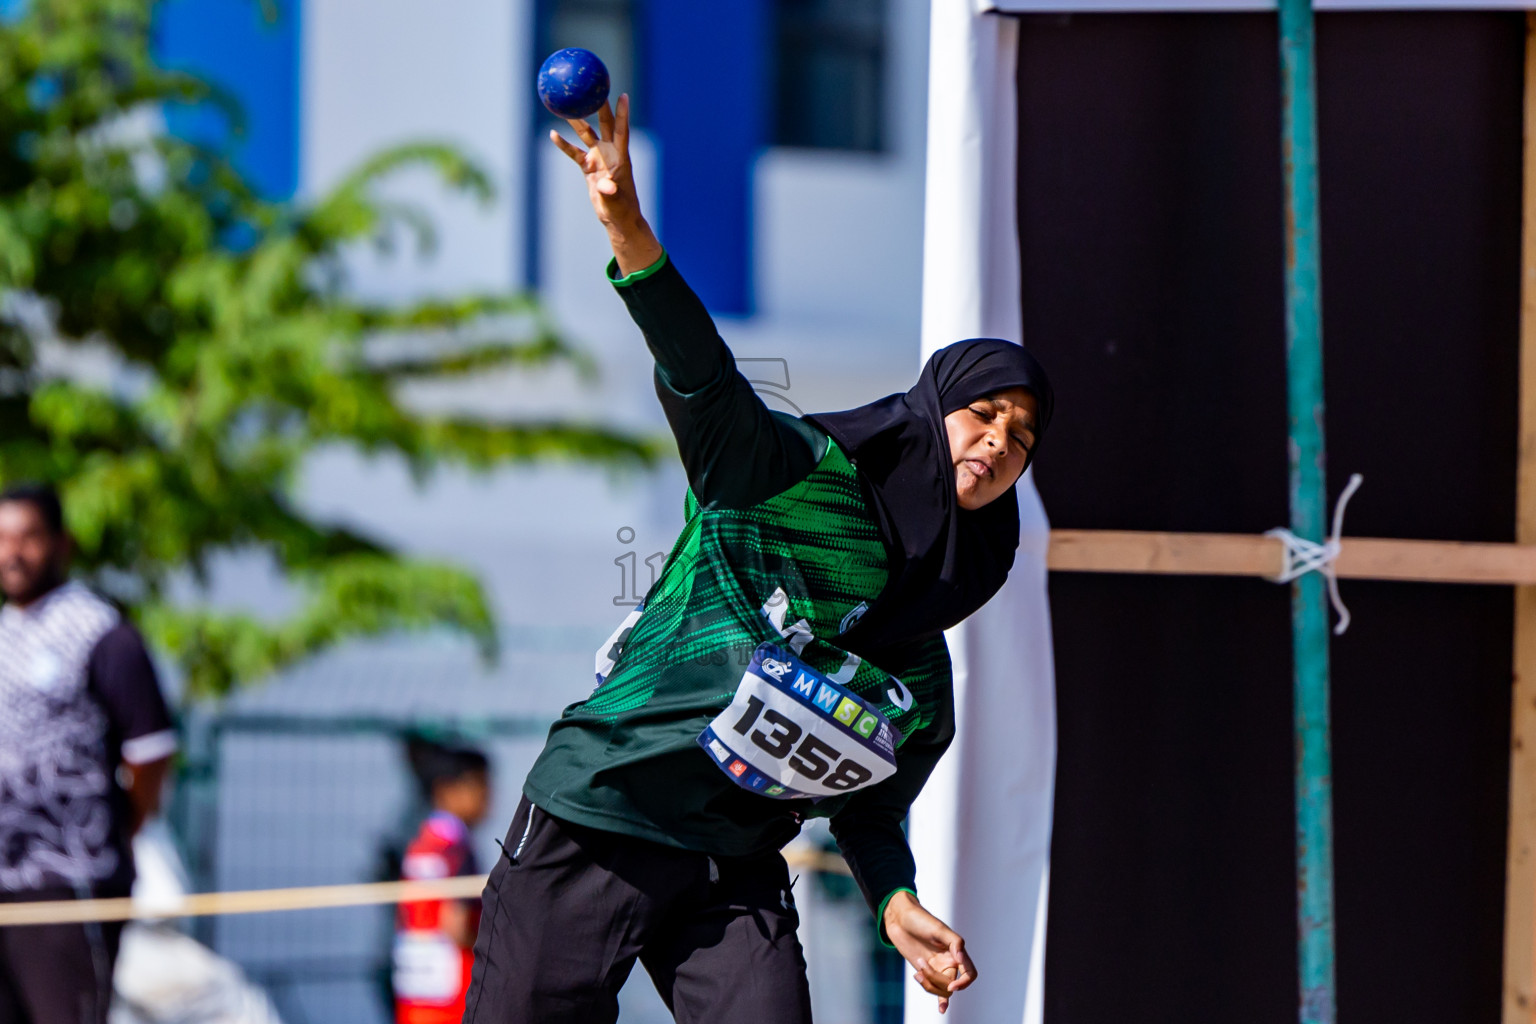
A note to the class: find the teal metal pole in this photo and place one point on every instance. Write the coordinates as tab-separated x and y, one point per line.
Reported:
1309	606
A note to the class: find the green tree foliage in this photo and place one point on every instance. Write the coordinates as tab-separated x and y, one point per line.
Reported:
236	351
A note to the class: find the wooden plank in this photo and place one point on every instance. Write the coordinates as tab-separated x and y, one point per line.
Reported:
1233	554
1198	554
1435	561
1520	868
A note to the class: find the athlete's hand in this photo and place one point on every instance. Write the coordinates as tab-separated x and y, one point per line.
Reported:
611	184
936	953
605	162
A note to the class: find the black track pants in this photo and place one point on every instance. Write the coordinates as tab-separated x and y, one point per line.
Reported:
56	973
569	909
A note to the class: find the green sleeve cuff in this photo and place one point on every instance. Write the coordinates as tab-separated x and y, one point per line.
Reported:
880	916
639	275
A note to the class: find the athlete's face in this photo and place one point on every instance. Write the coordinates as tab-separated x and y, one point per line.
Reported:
989	442
32	557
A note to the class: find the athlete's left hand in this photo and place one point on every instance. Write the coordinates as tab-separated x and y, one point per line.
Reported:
936	953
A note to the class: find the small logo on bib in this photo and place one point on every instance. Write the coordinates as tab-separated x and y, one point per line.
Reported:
777	669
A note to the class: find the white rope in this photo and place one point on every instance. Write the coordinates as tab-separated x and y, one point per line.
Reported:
1303	556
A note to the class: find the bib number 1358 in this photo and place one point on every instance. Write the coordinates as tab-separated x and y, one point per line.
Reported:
809	755
790	732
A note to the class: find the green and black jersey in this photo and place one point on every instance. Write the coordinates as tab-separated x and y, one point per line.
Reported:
779	545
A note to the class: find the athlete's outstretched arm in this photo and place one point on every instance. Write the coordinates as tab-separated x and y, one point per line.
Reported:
735	451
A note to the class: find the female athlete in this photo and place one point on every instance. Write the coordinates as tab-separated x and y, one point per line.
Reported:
788	663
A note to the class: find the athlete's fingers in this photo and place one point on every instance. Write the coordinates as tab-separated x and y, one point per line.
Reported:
605	122
607	165
621	125
944	963
954	963
966	970
932	979
920	975
583	131
568	149
944	960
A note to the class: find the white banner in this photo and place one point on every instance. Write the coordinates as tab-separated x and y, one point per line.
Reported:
981	829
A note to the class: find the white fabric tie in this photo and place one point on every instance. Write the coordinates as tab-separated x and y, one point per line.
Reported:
1303	556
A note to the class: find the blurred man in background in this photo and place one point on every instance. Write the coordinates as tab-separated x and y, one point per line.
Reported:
435	939
85	738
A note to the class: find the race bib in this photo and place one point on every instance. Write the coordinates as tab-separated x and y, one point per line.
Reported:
428	967
792	732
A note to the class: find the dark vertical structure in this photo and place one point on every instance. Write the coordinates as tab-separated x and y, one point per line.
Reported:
1149	175
829	74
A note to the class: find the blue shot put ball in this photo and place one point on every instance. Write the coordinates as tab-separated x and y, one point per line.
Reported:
573	83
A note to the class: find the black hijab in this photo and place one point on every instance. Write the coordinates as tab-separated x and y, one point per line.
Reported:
946	561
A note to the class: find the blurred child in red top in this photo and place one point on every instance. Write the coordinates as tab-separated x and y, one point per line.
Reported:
435	939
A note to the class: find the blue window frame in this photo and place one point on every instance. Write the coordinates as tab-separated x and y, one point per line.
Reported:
830	67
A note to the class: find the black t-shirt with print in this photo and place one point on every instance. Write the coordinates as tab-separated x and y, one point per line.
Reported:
80	697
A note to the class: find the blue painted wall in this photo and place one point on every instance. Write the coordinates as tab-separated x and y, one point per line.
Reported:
231	44
707	104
